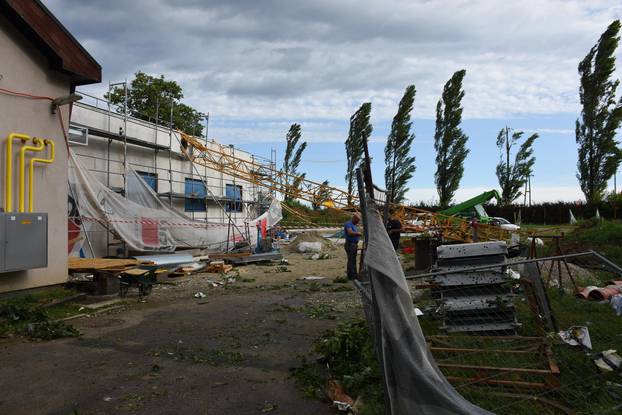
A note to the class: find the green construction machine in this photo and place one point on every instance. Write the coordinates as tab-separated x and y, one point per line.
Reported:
473	206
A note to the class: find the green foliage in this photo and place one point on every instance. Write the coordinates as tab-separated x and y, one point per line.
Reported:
291	161
449	140
360	131
349	355
151	98
399	165
512	176
25	316
601	115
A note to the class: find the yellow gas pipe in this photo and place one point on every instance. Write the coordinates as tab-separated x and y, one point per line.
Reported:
8	177
31	172
22	168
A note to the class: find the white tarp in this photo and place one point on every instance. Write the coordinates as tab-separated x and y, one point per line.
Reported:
145	223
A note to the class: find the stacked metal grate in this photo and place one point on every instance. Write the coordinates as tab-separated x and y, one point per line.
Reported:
477	302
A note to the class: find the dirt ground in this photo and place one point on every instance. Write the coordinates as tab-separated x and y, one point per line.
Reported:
227	353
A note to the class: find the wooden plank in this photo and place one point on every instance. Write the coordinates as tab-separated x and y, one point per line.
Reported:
101	263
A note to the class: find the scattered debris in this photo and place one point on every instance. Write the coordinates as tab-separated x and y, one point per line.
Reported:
199	295
269	407
538	241
610	290
585	292
313	278
616	303
608	361
214	283
312	240
340	399
318	256
576	336
219	267
192	267
310	247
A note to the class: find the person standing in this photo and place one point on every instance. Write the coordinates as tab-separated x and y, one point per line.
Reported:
474	228
394	229
352	236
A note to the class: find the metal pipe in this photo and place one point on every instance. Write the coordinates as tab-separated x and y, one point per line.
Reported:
8	177
31	172
22	169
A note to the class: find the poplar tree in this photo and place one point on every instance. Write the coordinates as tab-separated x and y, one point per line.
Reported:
513	175
291	161
449	140
599	155
399	165
360	131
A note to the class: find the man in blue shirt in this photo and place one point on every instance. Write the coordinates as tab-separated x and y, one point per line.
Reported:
352	236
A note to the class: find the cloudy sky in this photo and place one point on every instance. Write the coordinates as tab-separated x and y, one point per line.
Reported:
257	66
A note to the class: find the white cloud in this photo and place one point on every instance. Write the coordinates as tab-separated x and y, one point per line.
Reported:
321	59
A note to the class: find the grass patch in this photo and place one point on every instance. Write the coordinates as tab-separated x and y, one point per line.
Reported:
319	311
347	356
26	316
599	235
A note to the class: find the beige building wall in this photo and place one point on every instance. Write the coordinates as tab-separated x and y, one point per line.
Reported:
24	69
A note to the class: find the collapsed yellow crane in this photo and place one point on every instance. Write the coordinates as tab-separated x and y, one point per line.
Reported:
297	187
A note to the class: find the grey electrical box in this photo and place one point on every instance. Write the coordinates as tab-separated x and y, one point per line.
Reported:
23	241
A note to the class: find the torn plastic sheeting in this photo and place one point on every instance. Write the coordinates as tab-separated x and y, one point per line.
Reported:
576	336
145	223
413	381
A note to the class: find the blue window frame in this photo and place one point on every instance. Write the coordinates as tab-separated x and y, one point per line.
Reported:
150	178
233	192
195	196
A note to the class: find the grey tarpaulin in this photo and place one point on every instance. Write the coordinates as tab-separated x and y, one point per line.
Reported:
413	382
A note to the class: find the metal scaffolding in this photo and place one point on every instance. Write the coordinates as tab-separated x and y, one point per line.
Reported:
174	172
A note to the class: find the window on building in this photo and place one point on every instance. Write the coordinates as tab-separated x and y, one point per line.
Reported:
150	178
195	196
234	198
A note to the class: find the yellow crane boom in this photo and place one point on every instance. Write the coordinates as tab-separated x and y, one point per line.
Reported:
297	187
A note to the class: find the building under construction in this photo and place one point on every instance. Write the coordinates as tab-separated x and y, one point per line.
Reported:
109	143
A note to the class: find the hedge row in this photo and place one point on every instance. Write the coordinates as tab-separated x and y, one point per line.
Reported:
551	213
